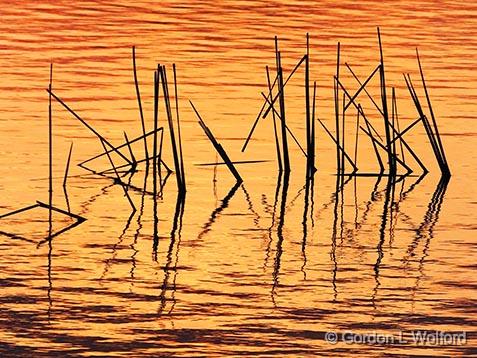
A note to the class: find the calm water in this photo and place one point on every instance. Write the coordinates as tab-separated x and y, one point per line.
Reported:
254	269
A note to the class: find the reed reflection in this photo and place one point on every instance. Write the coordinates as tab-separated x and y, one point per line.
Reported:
306	207
426	230
273	220
138	229
172	262
341	264
387	202
224	203
114	251
280	237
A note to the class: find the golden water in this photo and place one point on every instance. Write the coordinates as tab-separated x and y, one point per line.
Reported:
231	280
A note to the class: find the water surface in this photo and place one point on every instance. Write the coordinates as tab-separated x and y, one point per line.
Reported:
267	267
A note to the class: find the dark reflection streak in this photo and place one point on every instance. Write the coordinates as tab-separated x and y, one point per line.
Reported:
391	209
111	170
176	272
430	220
51	236
93	198
394	218
138	230
110	261
342	205
256	219
214	180
128	185
411	187
372	199
326	205
50	193
292	202
163	184
308	188
50	281
382	234
356	209
17	237
375	195
272	225
333	237
344	182
400	178
213	216
312	199
175	234
267	208
281	223
155	169
333	195
84	175
155	239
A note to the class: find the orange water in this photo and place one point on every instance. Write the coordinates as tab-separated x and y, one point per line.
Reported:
234	278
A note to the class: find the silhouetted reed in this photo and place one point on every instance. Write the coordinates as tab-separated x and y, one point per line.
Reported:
175	142
102	139
442	157
154	162
310	151
138	96
217	146
50	155
132	164
66	177
118	178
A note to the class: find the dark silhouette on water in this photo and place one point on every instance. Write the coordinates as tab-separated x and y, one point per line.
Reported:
273	220
139	102
306	208
174	245
280	237
138	230
132	164
224	203
426	230
388	199
114	250
220	150
65	191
